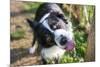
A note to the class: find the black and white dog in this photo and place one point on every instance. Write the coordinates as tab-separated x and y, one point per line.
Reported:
53	32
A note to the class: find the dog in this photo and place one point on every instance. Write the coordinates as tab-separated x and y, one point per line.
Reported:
53	31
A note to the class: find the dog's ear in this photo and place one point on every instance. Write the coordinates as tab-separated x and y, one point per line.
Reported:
60	15
32	24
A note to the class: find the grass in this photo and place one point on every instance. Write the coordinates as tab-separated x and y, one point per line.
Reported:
18	34
31	6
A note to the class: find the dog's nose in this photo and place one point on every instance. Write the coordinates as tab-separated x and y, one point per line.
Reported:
63	41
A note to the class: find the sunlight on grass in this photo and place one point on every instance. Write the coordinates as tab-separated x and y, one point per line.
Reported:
18	34
31	6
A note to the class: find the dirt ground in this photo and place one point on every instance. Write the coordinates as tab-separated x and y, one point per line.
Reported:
19	55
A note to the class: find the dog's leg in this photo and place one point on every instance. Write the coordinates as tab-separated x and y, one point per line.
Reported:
33	48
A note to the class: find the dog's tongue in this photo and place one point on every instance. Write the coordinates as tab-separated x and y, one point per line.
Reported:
69	46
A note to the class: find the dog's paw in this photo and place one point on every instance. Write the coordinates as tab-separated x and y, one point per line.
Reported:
31	50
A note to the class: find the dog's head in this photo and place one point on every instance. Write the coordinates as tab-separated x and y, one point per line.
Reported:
54	27
61	28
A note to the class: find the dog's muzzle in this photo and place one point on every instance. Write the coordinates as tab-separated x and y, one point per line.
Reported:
64	39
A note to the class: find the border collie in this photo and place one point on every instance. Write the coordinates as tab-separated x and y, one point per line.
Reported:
53	32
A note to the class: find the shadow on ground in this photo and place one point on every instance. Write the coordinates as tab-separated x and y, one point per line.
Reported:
22	57
17	54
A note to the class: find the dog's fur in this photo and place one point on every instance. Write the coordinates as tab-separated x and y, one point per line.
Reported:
52	31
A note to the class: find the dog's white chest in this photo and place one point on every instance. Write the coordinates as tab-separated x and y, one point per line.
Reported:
51	53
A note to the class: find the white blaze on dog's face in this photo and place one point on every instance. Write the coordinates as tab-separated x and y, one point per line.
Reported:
63	35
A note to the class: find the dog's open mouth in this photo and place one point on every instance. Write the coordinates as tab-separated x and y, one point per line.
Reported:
69	46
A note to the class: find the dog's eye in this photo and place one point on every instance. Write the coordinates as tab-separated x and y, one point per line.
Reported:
61	16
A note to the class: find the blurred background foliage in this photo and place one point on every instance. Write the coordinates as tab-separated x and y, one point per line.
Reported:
79	15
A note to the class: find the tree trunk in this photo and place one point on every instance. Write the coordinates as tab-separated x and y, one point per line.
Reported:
90	52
